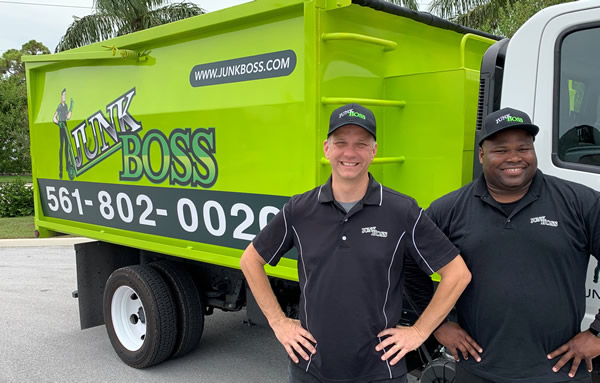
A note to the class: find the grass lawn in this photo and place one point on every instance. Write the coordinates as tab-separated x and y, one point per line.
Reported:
16	227
6	179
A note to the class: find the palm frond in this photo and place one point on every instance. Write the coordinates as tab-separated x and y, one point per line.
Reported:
89	29
449	9
119	17
487	13
126	8
173	12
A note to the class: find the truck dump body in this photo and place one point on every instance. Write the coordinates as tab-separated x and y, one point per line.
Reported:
187	138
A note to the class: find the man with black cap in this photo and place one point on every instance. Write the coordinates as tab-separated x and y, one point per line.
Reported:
526	238
352	235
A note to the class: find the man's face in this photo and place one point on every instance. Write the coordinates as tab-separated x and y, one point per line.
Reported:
63	96
350	150
508	160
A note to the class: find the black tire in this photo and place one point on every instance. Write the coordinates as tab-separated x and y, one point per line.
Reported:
141	328
442	370
190	310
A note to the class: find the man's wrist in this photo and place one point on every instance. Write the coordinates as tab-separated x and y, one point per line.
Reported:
276	319
444	321
594	331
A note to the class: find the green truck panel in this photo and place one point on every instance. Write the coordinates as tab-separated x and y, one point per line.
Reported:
187	138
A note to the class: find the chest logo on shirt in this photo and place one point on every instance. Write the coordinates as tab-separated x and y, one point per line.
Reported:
543	221
374	232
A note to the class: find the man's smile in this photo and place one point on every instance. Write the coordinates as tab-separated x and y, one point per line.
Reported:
513	170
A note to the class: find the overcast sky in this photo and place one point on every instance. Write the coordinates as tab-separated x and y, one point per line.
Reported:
47	20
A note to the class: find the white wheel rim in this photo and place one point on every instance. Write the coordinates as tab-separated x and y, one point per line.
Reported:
128	318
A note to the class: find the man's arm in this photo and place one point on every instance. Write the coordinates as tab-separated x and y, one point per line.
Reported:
288	331
455	278
55	118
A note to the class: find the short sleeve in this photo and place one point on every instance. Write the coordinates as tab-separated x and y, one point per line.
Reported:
275	239
439	214
427	244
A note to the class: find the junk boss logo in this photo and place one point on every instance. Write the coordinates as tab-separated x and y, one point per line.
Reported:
184	157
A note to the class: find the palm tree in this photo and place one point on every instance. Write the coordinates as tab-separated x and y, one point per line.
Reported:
470	13
119	17
486	14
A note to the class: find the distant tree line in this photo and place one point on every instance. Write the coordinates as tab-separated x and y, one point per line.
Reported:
14	120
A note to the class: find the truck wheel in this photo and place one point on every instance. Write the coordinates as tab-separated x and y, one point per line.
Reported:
440	370
140	316
190	311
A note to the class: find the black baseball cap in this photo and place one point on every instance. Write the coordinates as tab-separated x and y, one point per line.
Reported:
507	118
352	114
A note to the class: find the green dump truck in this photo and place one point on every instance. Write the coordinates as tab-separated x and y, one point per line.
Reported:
172	147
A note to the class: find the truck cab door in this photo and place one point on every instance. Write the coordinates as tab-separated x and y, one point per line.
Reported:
566	107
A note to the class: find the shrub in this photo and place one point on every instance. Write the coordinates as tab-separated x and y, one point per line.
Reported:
16	199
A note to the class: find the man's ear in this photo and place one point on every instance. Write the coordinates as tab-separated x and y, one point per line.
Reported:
326	148
481	155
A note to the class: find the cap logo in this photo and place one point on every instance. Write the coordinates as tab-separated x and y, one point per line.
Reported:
352	113
508	118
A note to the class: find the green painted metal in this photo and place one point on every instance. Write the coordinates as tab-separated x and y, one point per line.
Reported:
388	45
186	153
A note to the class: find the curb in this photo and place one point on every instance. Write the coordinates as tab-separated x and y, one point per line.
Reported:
34	242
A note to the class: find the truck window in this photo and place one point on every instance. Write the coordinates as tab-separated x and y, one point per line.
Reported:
578	133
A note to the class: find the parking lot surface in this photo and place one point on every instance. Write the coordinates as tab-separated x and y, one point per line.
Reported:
40	339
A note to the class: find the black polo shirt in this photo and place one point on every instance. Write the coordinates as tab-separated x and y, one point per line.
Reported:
350	268
527	293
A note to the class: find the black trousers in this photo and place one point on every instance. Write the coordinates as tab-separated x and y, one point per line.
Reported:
464	376
298	375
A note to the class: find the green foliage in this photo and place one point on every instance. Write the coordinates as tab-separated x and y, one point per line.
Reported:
113	18
14	127
16	199
11	64
512	15
6	179
14	122
500	17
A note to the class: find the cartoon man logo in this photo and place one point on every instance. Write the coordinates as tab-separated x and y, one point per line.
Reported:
60	118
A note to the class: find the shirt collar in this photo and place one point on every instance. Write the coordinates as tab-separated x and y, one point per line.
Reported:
373	196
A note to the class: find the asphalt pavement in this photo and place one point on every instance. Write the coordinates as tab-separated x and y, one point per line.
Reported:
40	339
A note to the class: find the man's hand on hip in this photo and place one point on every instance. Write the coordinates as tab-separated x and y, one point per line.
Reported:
583	346
293	337
456	339
399	342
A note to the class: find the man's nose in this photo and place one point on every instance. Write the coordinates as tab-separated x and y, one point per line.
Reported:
349	150
514	156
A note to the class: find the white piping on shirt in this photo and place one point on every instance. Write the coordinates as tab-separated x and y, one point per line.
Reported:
319	195
386	297
284	236
380	194
304	289
415	244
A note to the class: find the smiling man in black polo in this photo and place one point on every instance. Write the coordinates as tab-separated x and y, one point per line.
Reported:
352	235
527	238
